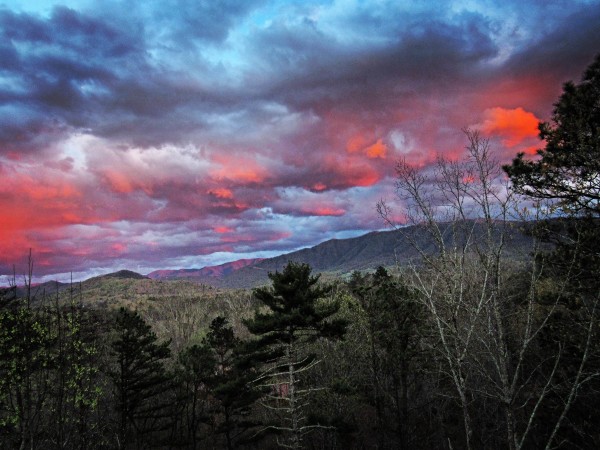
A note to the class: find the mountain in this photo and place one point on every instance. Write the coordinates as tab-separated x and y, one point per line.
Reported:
122	274
205	273
335	257
342	256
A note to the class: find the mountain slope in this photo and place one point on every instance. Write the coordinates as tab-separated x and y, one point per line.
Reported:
385	248
205	273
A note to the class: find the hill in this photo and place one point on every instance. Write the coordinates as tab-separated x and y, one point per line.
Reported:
205	273
333	258
342	256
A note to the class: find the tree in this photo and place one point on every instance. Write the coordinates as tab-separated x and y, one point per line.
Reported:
25	365
140	379
298	313
487	328
75	379
567	170
196	366
567	175
231	383
395	322
26	361
218	369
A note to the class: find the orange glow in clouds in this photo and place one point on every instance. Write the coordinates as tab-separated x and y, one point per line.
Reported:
222	230
377	150
355	143
513	125
221	193
358	143
237	169
119	182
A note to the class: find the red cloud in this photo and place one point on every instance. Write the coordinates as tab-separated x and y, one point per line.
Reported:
119	182
325	211
377	150
356	143
221	193
118	247
237	169
223	230
512	125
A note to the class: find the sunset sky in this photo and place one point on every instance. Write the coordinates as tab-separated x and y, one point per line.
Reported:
179	134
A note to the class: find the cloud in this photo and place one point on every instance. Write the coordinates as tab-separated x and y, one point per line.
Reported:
513	125
149	134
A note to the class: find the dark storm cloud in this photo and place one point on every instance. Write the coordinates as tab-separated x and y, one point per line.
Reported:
84	73
57	71
309	69
558	54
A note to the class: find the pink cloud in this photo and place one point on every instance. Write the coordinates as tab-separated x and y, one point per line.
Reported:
221	193
222	230
377	150
512	125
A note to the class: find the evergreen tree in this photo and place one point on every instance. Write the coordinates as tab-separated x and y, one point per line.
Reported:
297	313
142	384
396	321
218	369
567	170
196	366
231	383
566	173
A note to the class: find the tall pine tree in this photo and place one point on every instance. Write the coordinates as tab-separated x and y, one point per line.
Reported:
298	311
140	379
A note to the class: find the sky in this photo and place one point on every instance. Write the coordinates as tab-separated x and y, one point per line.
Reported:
177	134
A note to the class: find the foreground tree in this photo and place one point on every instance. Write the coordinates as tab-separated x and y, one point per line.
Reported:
395	322
566	175
218	387
298	313
484	311
141	381
567	171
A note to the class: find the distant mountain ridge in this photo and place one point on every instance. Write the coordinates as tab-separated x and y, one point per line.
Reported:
124	274
337	256
205	272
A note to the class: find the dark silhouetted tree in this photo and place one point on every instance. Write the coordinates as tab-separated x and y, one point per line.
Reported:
140	379
568	168
396	321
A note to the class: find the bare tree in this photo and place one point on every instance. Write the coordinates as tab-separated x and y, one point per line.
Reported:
485	331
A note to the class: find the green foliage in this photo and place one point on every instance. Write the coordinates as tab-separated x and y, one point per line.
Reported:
298	313
296	308
25	362
217	368
568	168
76	387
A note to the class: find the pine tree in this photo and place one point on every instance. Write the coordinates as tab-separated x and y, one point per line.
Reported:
396	322
140	379
298	313
567	170
218	369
